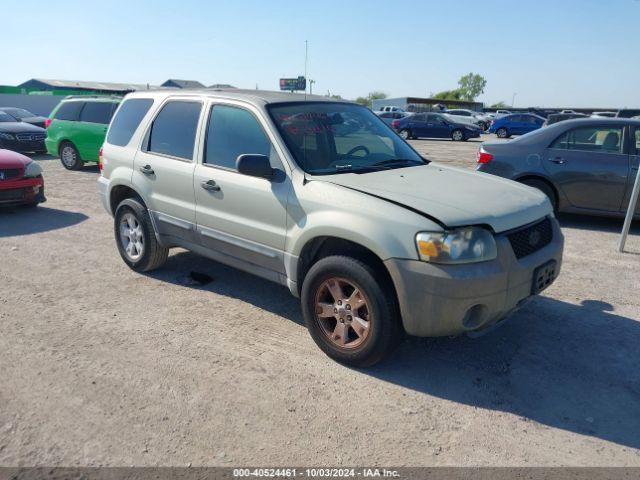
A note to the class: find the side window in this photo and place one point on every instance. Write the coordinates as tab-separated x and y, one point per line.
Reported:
419	118
591	139
437	119
173	132
127	120
69	111
232	132
97	112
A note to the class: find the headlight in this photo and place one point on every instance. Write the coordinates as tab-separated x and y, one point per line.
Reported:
32	170
464	245
7	136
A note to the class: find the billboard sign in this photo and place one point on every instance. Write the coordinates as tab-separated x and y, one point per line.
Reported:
293	84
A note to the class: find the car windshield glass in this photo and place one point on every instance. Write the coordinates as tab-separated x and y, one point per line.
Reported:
20	113
5	117
327	137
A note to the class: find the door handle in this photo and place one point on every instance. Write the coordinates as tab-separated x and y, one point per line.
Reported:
147	170
558	160
210	185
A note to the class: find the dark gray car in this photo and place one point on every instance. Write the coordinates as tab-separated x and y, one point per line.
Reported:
584	166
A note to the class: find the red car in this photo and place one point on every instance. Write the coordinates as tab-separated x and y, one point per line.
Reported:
21	181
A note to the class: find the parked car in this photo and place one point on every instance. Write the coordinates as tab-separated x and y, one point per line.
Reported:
374	239
76	128
477	118
502	113
627	113
20	136
516	124
22	115
389	117
604	114
435	125
21	181
583	166
561	117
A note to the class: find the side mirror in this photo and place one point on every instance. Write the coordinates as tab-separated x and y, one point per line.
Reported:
255	165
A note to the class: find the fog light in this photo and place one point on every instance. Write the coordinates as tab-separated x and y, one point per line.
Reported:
36	189
475	317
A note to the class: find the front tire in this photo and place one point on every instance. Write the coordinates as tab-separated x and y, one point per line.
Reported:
136	238
502	133
457	135
351	314
69	156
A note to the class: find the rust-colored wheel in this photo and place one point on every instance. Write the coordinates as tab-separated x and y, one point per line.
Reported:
350	309
342	312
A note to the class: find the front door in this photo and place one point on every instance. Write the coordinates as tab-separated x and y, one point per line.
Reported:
163	168
437	126
92	128
240	216
591	166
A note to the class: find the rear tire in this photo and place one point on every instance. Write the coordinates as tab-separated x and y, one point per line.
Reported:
502	133
361	326
69	156
457	135
545	188
136	238
406	134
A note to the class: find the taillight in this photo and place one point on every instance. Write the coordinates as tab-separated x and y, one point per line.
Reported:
100	165
47	122
395	123
484	156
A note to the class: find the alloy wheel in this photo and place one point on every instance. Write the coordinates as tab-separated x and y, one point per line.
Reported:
342	312
131	237
68	156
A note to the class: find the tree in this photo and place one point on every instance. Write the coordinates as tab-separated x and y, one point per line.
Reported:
499	105
449	95
368	100
471	86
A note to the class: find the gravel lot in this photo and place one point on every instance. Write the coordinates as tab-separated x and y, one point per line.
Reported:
103	366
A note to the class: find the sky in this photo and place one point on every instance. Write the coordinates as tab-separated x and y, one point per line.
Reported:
580	53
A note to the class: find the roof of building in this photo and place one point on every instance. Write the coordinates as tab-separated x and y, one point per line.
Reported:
78	84
183	83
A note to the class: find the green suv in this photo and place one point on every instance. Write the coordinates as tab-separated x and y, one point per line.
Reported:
76	129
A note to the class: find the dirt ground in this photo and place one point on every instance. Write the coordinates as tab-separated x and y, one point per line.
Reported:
103	366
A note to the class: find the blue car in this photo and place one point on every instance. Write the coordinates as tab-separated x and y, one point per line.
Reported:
434	125
516	124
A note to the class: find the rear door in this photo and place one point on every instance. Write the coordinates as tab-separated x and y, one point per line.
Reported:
418	125
515	125
591	166
92	128
163	168
634	163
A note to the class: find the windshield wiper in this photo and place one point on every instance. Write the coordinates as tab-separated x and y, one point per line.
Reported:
397	162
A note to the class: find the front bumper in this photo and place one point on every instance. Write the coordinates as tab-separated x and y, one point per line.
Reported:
440	300
25	191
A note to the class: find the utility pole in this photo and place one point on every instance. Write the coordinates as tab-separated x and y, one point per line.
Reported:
513	100
311	82
306	60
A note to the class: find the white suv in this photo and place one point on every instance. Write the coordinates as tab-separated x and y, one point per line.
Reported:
323	197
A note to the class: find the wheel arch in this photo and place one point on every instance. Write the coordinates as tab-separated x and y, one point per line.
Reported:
120	192
324	246
541	178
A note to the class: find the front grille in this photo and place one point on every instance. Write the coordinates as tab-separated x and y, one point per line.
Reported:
530	239
9	173
10	195
30	137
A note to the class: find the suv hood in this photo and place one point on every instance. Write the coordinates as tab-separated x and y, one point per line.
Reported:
453	196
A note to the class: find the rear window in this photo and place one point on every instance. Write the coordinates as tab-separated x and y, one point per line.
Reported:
173	132
69	111
127	120
98	112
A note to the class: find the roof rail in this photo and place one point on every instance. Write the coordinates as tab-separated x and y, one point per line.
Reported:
73	97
